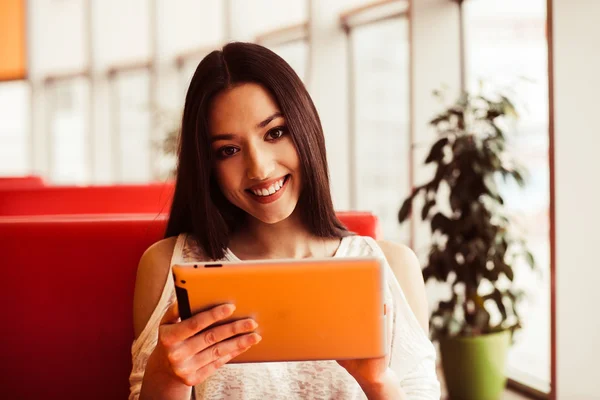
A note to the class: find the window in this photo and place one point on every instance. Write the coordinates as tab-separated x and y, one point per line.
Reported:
131	113
290	43
381	138
249	19
67	108
187	65
14	129
506	42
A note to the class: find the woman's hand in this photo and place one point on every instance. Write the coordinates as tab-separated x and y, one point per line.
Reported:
373	374
184	357
371	370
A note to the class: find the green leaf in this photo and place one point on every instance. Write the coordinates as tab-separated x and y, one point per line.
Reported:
507	270
442	223
518	177
405	210
447	305
498	298
509	107
427	273
440	118
493	114
530	259
436	154
427	208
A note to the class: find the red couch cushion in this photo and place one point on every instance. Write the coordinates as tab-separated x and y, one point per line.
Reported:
60	200
67	301
21	182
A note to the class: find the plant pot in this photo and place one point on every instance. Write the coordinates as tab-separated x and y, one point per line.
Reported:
474	366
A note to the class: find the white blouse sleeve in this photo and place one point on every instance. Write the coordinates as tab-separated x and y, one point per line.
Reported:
413	356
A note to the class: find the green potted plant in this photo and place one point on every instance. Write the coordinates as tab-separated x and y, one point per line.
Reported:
473	248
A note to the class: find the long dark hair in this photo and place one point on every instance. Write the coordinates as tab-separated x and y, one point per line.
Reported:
198	205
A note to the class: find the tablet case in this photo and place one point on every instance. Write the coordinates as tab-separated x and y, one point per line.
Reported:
327	309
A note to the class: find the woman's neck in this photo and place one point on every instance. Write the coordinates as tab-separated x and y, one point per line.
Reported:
289	238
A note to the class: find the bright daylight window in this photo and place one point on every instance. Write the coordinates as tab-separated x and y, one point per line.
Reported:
67	110
296	54
506	47
131	116
14	130
382	121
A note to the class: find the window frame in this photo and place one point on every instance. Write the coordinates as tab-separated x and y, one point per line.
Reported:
513	381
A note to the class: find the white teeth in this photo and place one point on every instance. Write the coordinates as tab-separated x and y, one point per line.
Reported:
270	190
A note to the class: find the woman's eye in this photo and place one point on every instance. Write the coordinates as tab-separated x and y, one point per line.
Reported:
227	151
276	133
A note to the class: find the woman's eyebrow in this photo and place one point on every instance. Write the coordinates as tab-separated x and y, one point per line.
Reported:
268	120
231	136
222	136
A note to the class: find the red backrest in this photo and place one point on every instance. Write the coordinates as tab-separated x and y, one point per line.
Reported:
67	300
21	182
61	200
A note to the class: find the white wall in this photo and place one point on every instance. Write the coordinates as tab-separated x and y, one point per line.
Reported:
577	139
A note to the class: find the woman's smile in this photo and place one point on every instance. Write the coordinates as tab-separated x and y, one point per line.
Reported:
270	191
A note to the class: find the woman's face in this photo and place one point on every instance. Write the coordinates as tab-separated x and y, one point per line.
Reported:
256	162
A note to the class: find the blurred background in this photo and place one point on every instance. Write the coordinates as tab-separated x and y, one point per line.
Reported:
90	90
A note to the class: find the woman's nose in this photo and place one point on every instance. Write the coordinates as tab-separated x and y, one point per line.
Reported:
259	165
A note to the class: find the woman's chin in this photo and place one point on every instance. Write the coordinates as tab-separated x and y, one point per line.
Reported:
272	217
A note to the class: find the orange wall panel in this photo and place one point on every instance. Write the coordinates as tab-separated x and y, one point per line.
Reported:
12	40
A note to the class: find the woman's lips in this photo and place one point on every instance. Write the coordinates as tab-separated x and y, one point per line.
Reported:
272	197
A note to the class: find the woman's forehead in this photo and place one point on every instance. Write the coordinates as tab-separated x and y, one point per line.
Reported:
241	108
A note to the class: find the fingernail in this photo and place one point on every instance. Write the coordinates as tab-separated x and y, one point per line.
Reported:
229	309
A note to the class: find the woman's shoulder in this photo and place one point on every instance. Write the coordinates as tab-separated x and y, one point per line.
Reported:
159	253
153	269
366	245
395	252
406	268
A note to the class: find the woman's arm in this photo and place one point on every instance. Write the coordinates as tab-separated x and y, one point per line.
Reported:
406	268
414	357
146	381
400	375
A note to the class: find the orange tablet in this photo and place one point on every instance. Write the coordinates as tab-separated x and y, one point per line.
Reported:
311	309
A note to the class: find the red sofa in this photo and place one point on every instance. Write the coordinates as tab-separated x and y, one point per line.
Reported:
21	182
59	200
67	299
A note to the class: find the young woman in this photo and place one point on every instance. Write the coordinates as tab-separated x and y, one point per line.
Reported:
252	183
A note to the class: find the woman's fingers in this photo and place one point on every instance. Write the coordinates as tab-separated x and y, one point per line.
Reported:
220	333
205	371
207	361
225	347
175	333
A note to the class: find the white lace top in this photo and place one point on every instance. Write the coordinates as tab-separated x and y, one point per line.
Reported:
412	353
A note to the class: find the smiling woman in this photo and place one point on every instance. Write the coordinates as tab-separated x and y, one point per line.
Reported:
252	184
248	120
